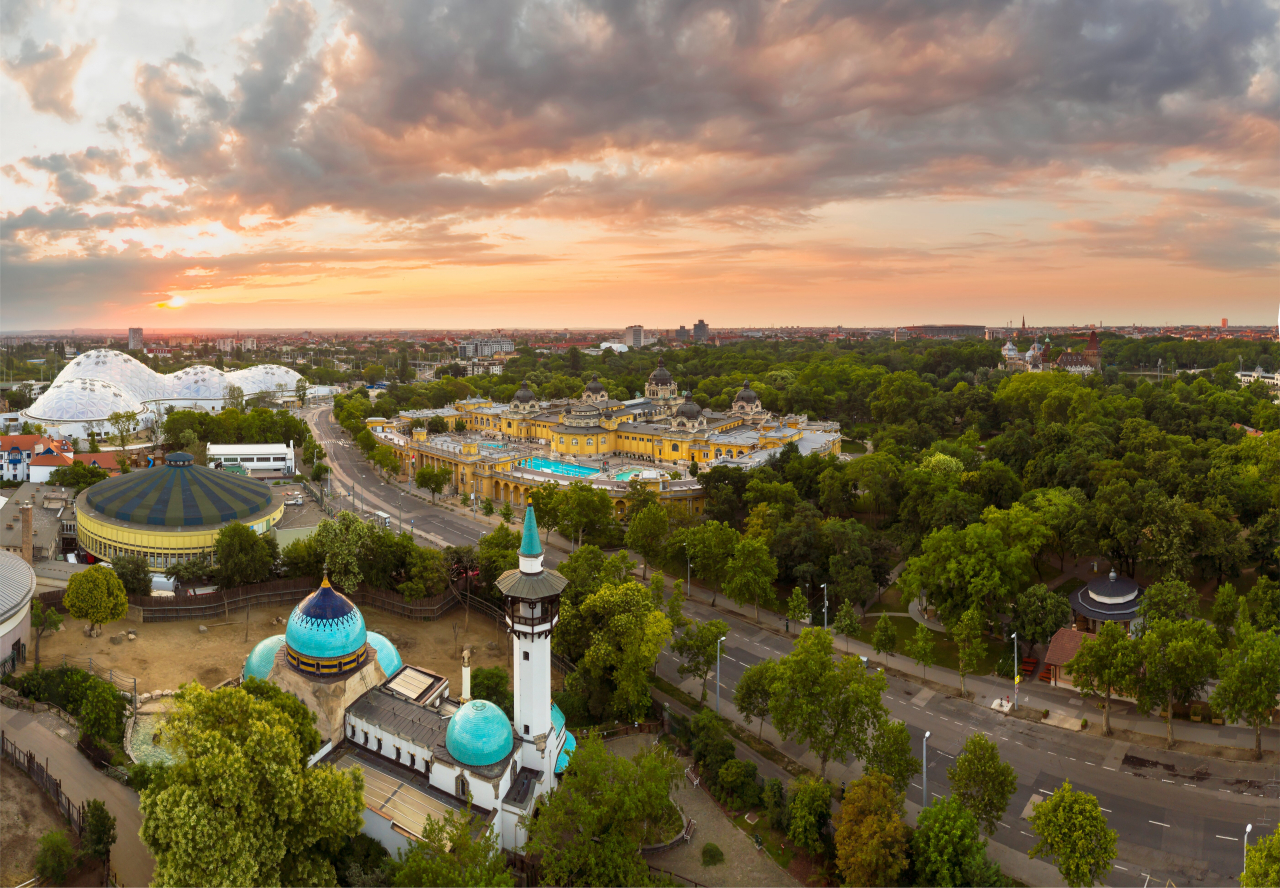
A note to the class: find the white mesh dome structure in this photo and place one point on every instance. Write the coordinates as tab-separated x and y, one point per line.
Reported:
126	373
198	382
80	401
269	378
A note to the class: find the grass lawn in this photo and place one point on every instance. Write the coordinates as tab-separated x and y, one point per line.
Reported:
948	654
891	601
1069	585
852	447
774	843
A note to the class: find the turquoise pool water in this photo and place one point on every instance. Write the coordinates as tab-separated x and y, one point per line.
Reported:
559	468
625	476
142	747
492	445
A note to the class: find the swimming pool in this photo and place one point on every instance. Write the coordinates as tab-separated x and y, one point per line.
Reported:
625	476
556	467
493	446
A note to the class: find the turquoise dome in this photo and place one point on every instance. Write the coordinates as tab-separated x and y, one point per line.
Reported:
479	734
262	658
326	625
388	656
562	762
557	719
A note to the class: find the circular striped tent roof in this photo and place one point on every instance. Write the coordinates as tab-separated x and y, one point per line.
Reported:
179	494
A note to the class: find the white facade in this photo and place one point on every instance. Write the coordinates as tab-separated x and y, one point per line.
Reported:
254	457
634	336
531	681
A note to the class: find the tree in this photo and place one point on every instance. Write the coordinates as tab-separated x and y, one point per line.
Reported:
134	572
319	471
589	829
99	831
300	391
697	647
647	532
55	857
1038	612
968	637
122	424
243	556
546	500
101	711
1250	680
710	546
982	782
809	813
460	425
798	610
494	685
873	844
342	541
449	854
582	509
752	571
1071	828
507	513
884	638
438	425
79	475
233	398
921	648
97	596
675	607
890	754
948	850
242	807
1226	606
754	690
1065	515
1178	659
385	459
1261	862
1105	665
1168	600
434	480
43	620
828	705
847	622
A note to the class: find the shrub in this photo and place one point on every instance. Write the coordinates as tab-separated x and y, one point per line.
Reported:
1046	713
55	857
711	854
1084	723
712	747
102	712
737	781
1005	667
144	776
775	804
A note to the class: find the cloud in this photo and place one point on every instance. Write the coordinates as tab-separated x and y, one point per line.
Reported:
48	76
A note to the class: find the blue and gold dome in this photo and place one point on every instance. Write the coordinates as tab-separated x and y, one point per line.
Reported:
326	634
479	734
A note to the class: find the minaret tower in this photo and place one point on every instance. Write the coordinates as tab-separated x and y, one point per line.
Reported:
531	599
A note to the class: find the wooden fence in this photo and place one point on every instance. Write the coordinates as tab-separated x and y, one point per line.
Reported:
38	772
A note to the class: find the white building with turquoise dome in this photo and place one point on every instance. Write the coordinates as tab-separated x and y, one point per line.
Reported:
423	751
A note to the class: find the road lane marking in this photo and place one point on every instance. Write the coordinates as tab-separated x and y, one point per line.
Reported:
1162	780
1230	838
1119	867
916	785
940	752
1108	810
1025	833
1158	823
1192	785
1051	753
1005	825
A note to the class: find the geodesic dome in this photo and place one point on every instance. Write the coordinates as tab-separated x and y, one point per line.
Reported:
196	383
82	400
264	378
117	368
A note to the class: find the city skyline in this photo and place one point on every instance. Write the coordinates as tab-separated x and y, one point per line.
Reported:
438	166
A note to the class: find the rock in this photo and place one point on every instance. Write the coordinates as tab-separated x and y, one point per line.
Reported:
143	698
491	646
157	693
132	637
87	629
204	629
117	639
62	627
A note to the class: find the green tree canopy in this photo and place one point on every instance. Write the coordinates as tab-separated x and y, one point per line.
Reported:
884	638
134	573
243	556
647	532
79	475
96	595
1071	828
697	646
1262	863
967	633
982	782
99	830
947	849
890	754
1250	680
450	854
752	571
1105	665
1178	659
922	649
1038	612
241	807
754	690
873	844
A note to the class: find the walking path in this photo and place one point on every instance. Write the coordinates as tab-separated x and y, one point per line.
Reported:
81	782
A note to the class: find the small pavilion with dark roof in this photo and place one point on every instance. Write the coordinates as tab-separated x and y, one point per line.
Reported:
1109	599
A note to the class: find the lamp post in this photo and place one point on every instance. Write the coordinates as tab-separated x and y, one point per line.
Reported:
824	606
718	640
1248	829
1017	673
924	771
400	511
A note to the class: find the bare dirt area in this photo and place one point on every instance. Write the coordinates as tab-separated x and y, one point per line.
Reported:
167	655
26	814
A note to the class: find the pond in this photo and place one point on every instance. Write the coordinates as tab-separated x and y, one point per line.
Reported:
142	747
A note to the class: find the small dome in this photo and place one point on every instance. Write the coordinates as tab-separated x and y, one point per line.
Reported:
557	719
326	625
262	658
388	656
746	396
595	386
524	394
688	409
562	761
479	734
661	375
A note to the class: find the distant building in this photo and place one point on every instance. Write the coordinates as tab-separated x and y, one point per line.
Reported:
484	348
135	338
633	336
682	334
700	331
942	331
225	345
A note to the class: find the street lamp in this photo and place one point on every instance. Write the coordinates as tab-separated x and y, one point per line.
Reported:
824	606
718	640
1248	829
400	508
1017	673
924	771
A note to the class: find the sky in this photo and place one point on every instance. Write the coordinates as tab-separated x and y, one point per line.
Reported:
525	163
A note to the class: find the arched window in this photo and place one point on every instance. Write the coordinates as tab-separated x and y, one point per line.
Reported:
675	448
562	440
575	442
588	442
526	655
719	452
460	786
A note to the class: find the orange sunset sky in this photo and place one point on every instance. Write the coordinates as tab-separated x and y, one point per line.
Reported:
427	164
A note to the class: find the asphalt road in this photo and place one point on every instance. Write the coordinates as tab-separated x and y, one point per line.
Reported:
1178	817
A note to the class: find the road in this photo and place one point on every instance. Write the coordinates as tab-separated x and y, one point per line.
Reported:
81	782
1178	817
356	481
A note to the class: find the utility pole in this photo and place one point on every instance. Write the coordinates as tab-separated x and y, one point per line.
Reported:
722	638
924	771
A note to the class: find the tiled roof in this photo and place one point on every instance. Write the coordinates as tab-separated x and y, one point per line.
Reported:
1064	645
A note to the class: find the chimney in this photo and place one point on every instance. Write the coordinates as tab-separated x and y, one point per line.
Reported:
28	541
466	675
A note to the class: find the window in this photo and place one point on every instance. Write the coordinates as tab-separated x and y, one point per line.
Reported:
575	442
526	729
675	448
352	735
366	738
460	787
379	744
397	753
526	655
588	442
562	439
412	762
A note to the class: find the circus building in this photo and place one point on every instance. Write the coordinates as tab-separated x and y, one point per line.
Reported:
170	513
423	751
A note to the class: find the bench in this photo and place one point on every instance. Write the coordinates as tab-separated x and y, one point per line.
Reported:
688	831
693	778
